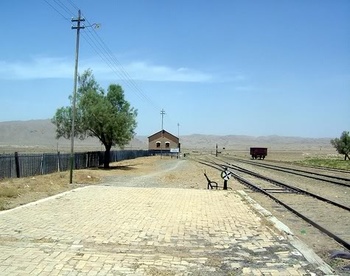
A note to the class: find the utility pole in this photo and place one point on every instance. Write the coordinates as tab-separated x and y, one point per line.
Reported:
162	112
178	140
77	27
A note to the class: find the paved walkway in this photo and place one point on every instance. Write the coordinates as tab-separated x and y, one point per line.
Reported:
109	230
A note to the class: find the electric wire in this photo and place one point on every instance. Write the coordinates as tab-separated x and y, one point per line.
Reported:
64	7
117	66
102	50
56	10
73	5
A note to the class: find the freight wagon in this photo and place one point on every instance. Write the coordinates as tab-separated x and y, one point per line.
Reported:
258	153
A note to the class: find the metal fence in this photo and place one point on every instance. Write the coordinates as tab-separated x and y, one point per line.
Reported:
24	165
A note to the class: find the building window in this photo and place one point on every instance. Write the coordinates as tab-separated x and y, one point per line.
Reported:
158	144
167	145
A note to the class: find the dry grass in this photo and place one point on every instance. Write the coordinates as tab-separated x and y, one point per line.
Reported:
18	191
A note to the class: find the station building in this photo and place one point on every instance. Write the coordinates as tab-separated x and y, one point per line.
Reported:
163	142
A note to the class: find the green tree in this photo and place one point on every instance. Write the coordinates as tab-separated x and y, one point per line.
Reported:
107	116
342	144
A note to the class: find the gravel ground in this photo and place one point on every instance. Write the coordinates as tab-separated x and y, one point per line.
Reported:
164	173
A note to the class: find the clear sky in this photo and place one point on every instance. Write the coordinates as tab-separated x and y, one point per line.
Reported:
225	67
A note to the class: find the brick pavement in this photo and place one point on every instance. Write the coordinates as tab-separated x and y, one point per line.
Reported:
108	230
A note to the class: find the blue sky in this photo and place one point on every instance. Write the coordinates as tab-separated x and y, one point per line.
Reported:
226	67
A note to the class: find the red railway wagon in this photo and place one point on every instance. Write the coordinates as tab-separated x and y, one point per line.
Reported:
260	153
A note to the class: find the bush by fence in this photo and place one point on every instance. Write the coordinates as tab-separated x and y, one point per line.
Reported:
24	165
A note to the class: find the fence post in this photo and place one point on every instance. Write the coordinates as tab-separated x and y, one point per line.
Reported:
42	164
17	165
58	161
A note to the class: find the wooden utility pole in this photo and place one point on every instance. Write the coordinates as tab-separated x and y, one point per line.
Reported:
77	27
162	112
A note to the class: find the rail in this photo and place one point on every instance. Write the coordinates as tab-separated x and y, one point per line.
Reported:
270	194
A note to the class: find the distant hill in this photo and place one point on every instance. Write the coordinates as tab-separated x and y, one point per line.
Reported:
243	142
39	135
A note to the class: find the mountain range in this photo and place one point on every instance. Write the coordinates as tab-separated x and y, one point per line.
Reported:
39	136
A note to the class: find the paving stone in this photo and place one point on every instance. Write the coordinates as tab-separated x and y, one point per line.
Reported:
107	230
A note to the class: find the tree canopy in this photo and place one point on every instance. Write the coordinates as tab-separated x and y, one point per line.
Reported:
342	144
107	116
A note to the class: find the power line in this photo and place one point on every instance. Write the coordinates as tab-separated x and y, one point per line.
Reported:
102	50
106	54
73	5
55	9
65	8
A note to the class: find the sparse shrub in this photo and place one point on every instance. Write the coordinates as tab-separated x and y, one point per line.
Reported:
8	192
335	163
2	204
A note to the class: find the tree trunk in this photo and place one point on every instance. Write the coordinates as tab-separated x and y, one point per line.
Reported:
107	156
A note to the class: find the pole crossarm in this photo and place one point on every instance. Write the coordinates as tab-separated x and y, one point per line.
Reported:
78	20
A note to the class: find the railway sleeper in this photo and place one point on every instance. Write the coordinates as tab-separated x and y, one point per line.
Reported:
274	190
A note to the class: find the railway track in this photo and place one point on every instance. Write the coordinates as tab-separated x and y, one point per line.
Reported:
307	167
310	173
327	187
311	207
